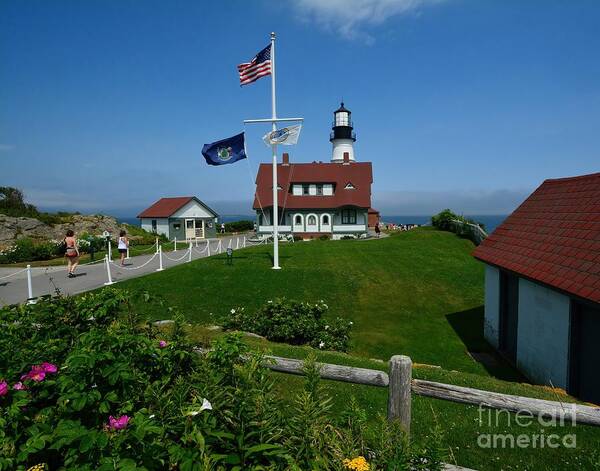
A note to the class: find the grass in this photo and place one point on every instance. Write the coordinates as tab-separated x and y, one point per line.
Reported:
460	423
418	293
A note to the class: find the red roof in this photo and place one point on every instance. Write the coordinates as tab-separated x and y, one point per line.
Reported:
360	174
553	237
165	207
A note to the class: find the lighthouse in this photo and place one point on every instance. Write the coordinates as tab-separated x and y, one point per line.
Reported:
342	136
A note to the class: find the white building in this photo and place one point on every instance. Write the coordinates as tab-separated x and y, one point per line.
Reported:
542	286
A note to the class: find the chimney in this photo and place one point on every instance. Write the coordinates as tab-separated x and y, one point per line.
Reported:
346	158
286	158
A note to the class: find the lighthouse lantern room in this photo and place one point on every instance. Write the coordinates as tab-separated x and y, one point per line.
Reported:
342	136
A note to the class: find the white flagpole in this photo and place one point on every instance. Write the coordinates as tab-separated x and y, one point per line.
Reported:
275	220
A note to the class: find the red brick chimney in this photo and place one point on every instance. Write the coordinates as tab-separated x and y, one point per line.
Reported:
286	158
346	158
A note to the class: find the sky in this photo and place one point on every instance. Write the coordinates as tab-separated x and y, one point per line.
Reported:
467	104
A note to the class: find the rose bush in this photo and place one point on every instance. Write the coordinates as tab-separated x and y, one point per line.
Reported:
86	384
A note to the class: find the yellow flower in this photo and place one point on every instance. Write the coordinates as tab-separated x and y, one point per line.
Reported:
357	464
38	467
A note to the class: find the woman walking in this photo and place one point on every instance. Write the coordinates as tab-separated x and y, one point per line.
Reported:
122	246
71	253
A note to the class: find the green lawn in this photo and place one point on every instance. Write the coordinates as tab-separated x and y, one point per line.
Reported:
418	293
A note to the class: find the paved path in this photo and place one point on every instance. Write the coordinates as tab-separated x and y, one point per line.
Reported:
46	280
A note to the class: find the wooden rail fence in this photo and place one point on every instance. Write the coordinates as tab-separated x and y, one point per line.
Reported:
401	386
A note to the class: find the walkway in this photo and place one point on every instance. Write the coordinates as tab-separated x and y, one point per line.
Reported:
49	280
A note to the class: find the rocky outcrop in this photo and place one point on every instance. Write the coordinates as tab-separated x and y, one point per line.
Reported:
13	228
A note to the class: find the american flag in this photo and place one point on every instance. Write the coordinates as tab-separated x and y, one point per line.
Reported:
256	68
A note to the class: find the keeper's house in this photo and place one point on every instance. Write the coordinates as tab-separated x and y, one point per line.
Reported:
316	199
542	286
184	218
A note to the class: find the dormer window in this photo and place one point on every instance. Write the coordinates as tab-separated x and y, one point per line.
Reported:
349	186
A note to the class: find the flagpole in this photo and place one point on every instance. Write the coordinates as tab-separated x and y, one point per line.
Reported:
275	220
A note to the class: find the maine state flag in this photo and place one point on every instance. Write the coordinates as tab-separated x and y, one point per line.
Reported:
225	151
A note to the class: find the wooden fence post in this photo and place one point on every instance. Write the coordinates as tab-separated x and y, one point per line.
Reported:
399	394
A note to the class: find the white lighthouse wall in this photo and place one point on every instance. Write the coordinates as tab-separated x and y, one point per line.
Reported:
339	147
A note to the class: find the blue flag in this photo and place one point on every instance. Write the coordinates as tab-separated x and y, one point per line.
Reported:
225	151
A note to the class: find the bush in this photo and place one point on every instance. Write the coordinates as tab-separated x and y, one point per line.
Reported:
239	226
25	250
293	322
92	388
324	237
448	221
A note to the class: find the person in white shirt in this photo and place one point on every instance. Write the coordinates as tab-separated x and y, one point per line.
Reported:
122	246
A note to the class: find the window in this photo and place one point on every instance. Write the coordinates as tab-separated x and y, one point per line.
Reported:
325	220
319	190
298	220
349	216
312	220
153	225
305	189
189	224
176	226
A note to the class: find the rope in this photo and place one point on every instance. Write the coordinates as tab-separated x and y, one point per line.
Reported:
200	252
135	268
185	254
91	263
13	274
148	249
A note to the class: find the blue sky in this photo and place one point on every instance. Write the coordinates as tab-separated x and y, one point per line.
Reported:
105	105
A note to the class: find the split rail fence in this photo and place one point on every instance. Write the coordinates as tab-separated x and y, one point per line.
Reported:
401	385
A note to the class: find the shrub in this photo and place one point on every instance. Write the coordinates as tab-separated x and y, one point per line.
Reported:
324	237
239	226
448	221
91	387
25	250
293	322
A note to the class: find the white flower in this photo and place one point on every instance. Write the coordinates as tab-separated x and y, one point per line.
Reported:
151	416
233	311
321	344
351	323
326	327
205	406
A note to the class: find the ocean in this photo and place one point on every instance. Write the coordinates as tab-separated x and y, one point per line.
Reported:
490	222
227	218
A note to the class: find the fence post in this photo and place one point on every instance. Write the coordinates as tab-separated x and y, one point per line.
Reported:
157	245
160	265
220	246
208	248
237	243
399	394
127	257
30	298
190	254
109	251
244	243
110	281
175	248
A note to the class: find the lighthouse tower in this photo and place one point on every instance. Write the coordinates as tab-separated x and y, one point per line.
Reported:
342	136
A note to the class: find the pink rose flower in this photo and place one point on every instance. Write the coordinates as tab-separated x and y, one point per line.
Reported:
162	344
18	386
49	367
119	423
3	388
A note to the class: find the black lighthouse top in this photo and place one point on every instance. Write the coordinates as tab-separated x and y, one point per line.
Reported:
342	124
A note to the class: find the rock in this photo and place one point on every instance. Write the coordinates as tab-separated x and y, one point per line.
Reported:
13	228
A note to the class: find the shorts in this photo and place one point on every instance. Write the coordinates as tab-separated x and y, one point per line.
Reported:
122	250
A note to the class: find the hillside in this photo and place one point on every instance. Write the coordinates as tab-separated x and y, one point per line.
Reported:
418	293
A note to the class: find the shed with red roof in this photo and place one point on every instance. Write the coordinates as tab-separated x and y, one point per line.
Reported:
542	285
182	217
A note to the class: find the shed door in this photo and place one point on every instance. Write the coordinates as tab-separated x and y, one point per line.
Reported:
509	315
585	352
